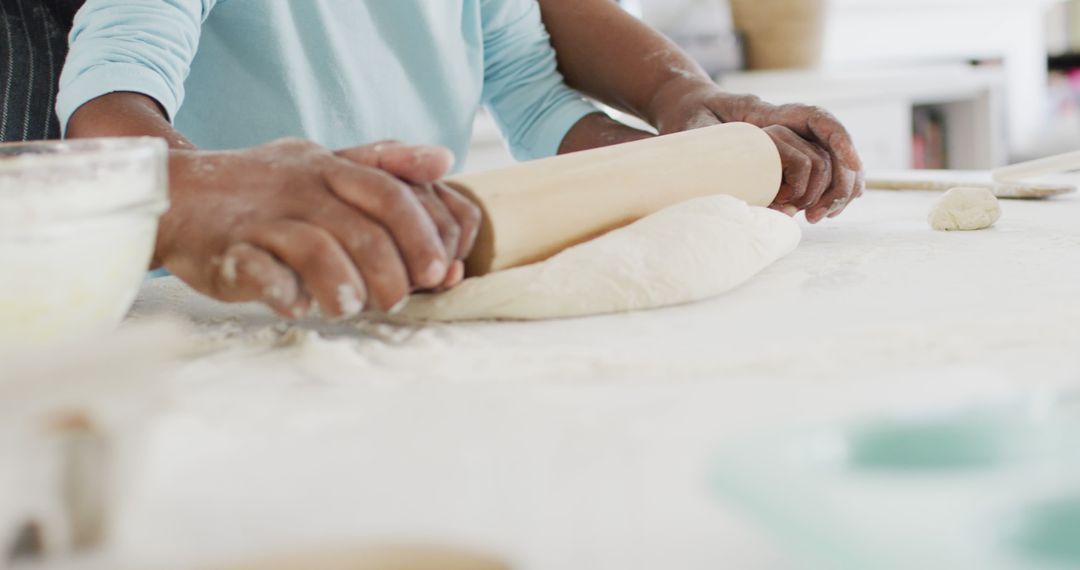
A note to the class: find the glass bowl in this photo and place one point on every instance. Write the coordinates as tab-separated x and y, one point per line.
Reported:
78	222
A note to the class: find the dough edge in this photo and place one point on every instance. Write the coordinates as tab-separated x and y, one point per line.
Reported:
649	264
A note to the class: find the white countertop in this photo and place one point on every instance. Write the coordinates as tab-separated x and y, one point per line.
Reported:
586	443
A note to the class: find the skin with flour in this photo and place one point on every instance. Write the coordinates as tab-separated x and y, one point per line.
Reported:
653	263
289	223
615	58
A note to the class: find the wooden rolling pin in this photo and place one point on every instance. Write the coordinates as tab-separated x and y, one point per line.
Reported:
378	558
1067	162
536	209
942	180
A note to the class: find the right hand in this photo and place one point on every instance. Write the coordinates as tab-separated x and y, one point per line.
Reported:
822	173
289	223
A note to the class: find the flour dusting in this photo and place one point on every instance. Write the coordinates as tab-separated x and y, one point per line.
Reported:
349	301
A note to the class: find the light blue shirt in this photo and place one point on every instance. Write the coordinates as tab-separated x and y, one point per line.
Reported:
238	73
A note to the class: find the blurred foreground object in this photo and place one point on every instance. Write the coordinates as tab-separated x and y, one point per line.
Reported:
994	486
78	222
62	413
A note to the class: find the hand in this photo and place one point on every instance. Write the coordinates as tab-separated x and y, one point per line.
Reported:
823	172
289	223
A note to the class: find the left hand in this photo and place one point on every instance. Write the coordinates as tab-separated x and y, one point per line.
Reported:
823	172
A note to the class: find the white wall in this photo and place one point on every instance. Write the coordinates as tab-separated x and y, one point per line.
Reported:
870	33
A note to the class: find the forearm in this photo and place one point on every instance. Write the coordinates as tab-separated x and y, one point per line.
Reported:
125	114
615	58
597	130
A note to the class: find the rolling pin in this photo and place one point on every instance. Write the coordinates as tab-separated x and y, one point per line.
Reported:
536	209
378	558
1057	164
942	180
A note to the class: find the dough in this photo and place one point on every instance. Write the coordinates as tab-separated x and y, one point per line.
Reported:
688	252
965	209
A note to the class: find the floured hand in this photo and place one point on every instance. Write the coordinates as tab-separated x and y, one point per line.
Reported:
823	172
290	223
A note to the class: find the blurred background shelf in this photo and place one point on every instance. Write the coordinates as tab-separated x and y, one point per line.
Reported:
879	107
1009	34
1064	62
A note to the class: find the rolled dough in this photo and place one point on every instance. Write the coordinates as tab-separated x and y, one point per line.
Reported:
688	252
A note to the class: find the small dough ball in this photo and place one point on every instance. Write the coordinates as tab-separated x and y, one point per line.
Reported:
963	209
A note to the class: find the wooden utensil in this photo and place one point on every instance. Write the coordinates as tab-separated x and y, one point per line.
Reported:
378	558
942	180
1050	165
536	209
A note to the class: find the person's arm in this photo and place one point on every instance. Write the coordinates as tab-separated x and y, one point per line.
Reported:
615	58
286	223
138	46
535	109
289	223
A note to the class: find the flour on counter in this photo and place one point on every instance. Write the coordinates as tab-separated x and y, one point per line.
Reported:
232	334
553	442
688	252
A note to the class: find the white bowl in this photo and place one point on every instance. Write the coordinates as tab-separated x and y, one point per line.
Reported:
78	222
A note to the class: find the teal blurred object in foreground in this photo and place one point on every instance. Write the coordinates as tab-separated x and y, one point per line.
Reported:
992	488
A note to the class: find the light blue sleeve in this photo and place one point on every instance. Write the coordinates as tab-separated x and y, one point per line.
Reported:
523	88
145	46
